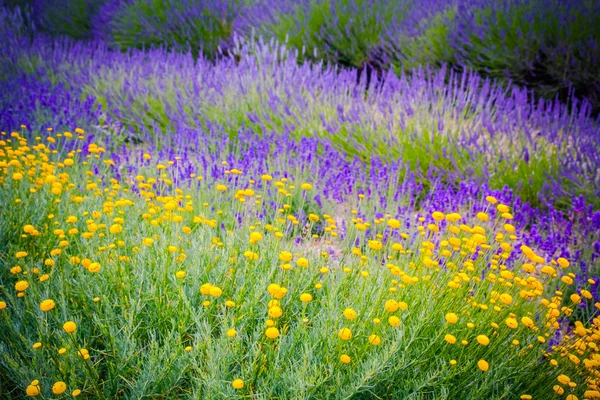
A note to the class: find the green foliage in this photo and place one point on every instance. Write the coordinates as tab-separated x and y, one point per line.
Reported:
175	24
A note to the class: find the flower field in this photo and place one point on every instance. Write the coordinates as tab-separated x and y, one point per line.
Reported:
258	222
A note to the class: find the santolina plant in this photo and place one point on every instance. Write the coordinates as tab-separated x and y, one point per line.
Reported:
159	274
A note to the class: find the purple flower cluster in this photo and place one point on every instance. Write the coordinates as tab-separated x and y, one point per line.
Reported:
412	144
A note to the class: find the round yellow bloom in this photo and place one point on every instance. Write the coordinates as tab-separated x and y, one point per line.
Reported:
528	322
438	216
237	384
391	305
69	326
306	297
180	274
94	267
215	291
47	305
205	288
374	340
506	298
483	340
255	237
393	223
491	199
394	321
21	286
306	186
563	262
272	332
482	216
345	358
345	334
302	262
349	313
76	393
17	176
59	387
450	338
33	389
275	312
285	256
451	318
483	365
512	322
526	397
2	305
231	332
452	362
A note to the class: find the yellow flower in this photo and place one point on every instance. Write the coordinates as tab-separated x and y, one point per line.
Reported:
306	186
94	267
21	286
285	256
451	318
221	188
483	340
255	237
345	334
452	362
272	332
528	322
394	321
302	262
491	199
512	322
147	241
33	389
59	387
306	297
21	254
506	298
2	305
231	332
17	176
180	274
345	358
237	384
266	177
393	223
483	365
437	215
69	326
391	305
275	312
563	262
215	291
76	393
482	216
47	305
349	313
450	338
374	340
